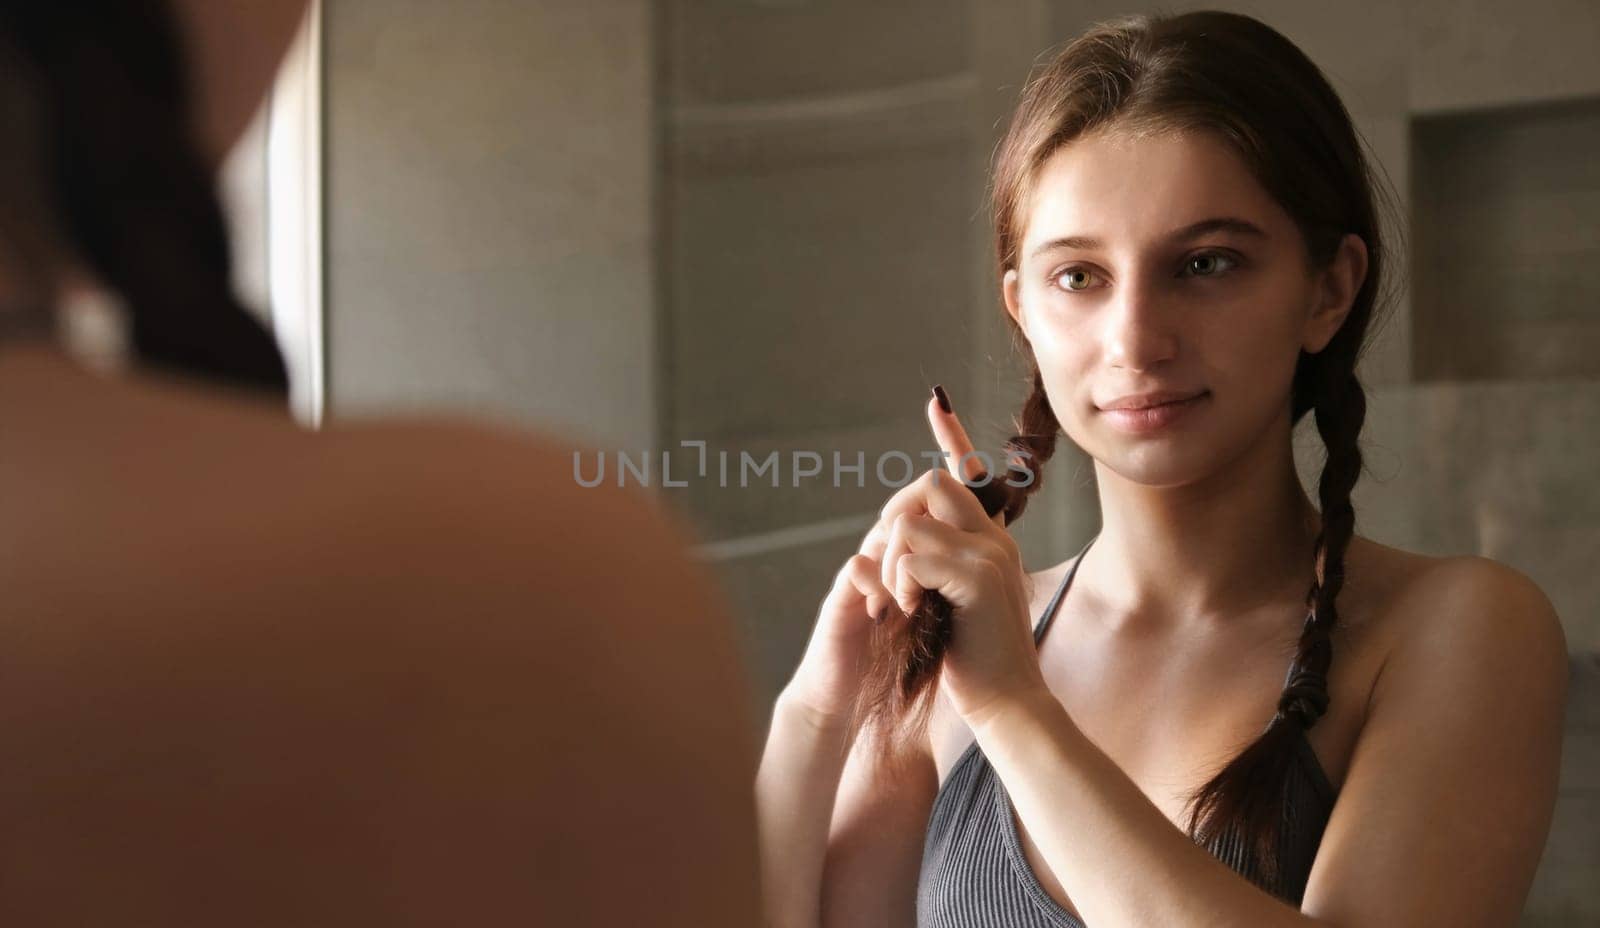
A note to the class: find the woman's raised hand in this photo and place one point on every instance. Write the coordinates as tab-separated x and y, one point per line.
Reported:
933	534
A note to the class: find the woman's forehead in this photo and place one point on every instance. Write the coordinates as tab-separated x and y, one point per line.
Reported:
1120	190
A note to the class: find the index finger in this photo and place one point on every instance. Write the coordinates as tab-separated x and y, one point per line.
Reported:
961	457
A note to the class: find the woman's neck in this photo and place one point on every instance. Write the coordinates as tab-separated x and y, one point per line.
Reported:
1209	550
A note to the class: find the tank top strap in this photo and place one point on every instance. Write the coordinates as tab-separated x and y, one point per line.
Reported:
1061	591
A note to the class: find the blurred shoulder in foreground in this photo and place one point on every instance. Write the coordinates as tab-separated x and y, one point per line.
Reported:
409	673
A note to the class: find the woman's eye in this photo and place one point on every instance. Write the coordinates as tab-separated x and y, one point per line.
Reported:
1075	279
1209	264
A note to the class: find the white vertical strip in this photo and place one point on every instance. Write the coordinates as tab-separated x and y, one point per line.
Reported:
294	223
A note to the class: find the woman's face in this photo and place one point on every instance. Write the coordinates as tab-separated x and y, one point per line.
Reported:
1156	269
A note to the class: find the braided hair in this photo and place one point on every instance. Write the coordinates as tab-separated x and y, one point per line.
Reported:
132	195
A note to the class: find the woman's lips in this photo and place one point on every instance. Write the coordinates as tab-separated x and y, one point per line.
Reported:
1152	418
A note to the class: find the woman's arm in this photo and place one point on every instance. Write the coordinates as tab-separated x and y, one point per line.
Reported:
840	848
795	790
1440	821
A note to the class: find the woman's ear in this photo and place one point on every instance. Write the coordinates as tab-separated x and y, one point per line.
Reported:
1010	291
1338	285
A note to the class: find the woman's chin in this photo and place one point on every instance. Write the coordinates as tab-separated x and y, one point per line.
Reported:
1158	465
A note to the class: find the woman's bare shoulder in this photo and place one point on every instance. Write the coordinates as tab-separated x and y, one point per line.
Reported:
210	496
1392	581
432	608
1453	608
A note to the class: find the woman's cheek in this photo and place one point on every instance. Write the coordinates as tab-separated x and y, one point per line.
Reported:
1059	337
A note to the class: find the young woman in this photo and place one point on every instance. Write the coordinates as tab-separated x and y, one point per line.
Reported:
1243	713
256	676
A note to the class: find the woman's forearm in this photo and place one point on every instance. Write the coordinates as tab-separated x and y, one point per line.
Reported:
795	789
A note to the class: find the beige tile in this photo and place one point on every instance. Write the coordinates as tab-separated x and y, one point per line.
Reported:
1580	763
1564	891
489	228
775	598
1506	233
725	51
829	295
1464	55
1583	694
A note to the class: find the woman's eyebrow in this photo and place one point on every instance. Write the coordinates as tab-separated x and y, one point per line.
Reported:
1187	233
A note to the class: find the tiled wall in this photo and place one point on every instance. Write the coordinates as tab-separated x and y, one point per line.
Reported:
1564	893
491	238
1505	241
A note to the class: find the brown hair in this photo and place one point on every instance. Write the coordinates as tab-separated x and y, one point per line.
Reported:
102	109
1239	80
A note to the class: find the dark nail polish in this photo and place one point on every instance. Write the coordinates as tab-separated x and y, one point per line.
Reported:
882	611
942	397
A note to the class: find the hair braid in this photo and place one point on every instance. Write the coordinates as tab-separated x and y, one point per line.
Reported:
1034	443
1340	412
1245	799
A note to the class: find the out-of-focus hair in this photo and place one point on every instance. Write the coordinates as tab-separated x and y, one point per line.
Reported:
98	109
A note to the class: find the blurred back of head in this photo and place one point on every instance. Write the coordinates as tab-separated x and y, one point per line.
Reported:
110	173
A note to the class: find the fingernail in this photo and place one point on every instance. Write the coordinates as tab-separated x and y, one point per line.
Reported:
942	397
882	611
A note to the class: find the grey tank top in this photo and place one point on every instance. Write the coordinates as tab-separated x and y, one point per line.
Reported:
974	873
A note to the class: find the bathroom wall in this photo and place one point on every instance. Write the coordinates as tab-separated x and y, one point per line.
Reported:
821	197
490	212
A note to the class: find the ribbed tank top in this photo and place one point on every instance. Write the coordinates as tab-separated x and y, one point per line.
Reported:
974	873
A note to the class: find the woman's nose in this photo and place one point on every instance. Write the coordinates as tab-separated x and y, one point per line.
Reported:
1140	330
